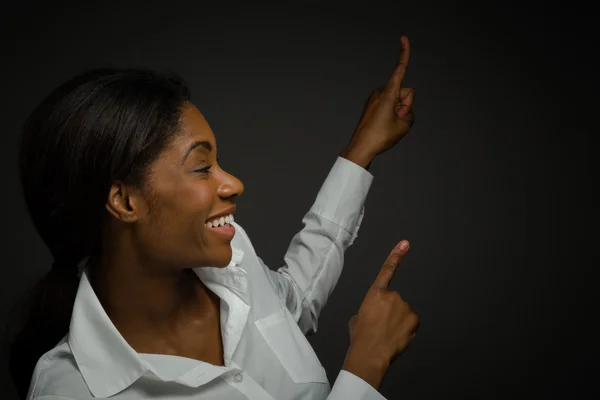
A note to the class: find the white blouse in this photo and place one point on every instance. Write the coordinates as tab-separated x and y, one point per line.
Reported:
265	315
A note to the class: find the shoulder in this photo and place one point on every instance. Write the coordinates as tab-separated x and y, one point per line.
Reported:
56	377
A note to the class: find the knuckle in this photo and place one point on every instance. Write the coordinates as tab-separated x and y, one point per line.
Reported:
388	266
394	257
414	319
395	296
406	307
352	321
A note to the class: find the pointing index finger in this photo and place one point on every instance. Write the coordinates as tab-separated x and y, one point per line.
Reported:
405	52
388	270
395	82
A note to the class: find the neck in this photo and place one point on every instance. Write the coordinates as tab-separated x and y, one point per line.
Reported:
148	304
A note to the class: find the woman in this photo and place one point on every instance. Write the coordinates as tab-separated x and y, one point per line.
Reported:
155	291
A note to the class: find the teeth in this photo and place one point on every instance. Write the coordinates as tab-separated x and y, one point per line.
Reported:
215	223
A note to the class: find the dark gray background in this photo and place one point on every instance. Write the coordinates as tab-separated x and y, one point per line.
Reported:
488	186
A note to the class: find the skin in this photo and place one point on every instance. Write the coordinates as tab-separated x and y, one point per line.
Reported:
157	233
143	277
386	118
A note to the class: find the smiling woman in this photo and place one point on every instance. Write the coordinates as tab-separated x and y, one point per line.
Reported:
120	175
155	290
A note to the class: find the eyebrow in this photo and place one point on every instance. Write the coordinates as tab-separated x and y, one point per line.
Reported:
204	145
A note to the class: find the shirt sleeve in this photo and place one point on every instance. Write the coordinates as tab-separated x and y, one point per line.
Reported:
349	386
315	256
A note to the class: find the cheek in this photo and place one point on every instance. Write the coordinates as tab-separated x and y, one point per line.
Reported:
199	200
183	207
177	231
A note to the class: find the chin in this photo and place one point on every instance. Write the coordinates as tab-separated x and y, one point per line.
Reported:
221	257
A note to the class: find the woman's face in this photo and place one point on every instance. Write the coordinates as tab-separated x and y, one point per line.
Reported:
186	188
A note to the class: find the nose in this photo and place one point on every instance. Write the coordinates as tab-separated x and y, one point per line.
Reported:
229	186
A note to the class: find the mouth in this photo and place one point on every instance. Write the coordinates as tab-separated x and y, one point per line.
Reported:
223	220
222	225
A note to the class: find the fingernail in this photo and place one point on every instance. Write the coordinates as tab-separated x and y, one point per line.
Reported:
404	245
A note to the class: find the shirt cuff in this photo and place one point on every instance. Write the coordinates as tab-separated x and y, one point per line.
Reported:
349	386
342	196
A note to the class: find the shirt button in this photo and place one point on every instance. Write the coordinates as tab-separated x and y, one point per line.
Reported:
238	377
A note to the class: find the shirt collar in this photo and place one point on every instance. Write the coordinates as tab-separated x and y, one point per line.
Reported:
107	362
230	276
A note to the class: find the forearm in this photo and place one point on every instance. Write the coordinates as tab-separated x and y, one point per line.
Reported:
314	259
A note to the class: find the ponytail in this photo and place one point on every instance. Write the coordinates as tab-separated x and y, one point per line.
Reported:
47	314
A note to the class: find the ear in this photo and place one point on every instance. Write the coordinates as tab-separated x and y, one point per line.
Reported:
124	202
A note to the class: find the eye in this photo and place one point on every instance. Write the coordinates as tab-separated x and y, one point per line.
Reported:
204	170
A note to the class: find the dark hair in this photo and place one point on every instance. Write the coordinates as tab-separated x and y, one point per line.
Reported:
103	125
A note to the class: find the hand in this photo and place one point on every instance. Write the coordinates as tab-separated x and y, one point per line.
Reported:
387	116
385	323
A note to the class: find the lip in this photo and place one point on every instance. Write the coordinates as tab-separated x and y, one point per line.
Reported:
226	233
223	213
